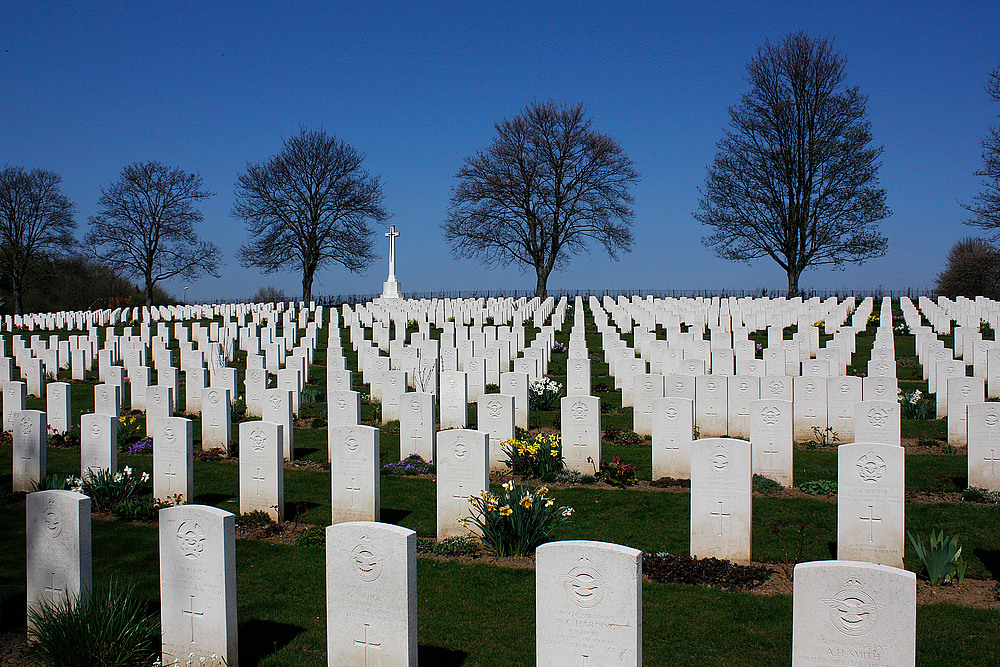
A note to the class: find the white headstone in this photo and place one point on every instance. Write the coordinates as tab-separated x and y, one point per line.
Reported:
771	439
343	408
278	409
853	613
30	440
495	415
588	604
173	459
416	425
877	421
58	559
216	418
984	445
721	499
463	470
580	417
371	594
354	473
262	470
57	406
673	429
98	443
578	377
870	495
198	585
454	400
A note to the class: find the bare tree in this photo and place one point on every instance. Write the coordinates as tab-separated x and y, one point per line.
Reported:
36	225
796	178
145	226
308	206
985	206
973	270
545	189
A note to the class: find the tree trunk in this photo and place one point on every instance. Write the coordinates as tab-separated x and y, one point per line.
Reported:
307	282
149	292
793	282
543	278
16	294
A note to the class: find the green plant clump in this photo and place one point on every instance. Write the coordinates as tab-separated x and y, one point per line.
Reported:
619	436
455	546
516	520
818	487
107	489
543	394
536	457
312	537
974	494
765	485
254	519
111	627
942	558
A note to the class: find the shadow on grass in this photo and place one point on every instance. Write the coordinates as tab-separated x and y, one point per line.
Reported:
13	615
393	516
990	560
440	657
212	499
295	509
259	639
304	452
832	548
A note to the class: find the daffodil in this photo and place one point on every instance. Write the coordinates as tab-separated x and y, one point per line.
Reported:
526	502
542	490
506	510
508	485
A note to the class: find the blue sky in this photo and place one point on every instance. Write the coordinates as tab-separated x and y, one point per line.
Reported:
417	87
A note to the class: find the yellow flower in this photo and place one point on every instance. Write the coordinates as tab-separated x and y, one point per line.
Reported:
464	523
526	502
506	511
555	453
542	490
549	502
568	511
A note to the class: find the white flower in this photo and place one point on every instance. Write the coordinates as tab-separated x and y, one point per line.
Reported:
508	485
145	477
127	470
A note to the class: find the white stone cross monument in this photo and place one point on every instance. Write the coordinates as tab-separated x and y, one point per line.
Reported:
390	288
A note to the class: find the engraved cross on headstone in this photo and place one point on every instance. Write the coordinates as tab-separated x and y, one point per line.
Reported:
354	491
258	478
364	642
170	471
51	588
992	460
871	519
192	613
459	495
721	516
770	453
